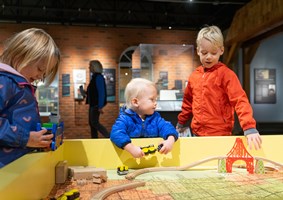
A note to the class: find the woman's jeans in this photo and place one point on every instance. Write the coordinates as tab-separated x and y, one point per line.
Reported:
95	125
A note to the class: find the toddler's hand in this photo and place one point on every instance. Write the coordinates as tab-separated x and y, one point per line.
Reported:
134	150
167	145
38	139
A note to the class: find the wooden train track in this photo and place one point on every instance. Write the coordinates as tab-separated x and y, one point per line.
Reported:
108	191
270	161
134	174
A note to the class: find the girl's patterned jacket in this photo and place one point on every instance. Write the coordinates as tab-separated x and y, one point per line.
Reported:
18	114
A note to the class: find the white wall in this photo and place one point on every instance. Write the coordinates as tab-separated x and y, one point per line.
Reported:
269	55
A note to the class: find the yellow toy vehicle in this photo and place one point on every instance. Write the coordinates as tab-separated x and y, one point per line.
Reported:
73	194
150	149
122	170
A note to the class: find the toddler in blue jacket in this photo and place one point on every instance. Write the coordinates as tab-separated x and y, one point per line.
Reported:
138	119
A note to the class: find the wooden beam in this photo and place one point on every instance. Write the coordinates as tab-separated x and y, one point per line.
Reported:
231	53
255	18
250	52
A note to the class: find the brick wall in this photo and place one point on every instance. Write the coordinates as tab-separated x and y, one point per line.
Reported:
80	44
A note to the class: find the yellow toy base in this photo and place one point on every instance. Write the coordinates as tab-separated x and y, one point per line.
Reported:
33	175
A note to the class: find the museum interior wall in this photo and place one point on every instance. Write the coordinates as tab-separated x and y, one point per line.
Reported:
79	45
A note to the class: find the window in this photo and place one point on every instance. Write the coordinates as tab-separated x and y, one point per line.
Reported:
47	97
125	71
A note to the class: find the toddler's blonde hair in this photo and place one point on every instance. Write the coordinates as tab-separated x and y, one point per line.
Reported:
212	34
135	88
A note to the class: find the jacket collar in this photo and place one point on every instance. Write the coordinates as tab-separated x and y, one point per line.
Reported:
216	66
7	68
129	111
12	71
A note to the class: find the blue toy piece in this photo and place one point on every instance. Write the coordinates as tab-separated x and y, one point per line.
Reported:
58	133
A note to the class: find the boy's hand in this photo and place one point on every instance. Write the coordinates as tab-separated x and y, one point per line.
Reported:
38	139
167	145
254	139
180	128
134	150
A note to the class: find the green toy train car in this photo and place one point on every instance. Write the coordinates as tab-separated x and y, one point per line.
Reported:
58	133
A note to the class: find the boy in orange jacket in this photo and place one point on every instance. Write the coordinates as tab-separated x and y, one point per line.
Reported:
214	93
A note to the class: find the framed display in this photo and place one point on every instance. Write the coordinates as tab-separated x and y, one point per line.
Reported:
79	78
178	84
265	86
109	75
65	85
163	77
79	75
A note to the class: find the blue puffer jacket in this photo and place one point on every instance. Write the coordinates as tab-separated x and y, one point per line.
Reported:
129	125
18	114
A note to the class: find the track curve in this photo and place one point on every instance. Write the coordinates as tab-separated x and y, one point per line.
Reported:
108	191
270	161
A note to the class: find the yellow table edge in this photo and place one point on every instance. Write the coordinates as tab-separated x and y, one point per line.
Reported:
33	175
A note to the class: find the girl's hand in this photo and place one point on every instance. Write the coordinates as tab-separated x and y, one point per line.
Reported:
38	139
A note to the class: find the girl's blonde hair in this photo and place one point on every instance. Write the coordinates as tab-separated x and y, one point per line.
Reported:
212	34
95	66
136	87
30	46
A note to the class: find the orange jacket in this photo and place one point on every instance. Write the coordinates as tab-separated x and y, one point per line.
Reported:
211	96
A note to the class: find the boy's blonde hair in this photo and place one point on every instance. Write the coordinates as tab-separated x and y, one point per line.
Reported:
30	46
95	66
136	87
212	34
